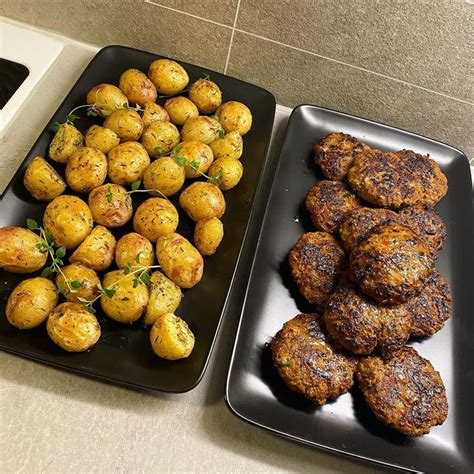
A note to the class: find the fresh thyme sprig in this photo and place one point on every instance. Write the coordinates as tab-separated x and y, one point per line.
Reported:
136	189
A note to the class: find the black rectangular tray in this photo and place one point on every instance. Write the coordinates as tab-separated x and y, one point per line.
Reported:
123	354
254	390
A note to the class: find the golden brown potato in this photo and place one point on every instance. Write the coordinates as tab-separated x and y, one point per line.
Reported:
128	301
104	139
19	252
168	76
230	146
206	95
160	138
97	250
227	172
235	116
202	201
86	169
42	181
106	98
202	129
180	109
66	140
137	87
127	162
198	157
110	205
165	176
165	297
179	260
134	250
154	112
68	220
73	328
208	235
83	282
126	123
171	337
155	217
30	303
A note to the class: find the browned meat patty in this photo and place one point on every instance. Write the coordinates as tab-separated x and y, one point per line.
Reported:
359	325
308	364
427	224
358	224
397	179
328	202
431	308
404	391
391	265
335	152
316	261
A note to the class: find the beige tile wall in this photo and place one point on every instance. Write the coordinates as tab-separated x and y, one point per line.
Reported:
408	63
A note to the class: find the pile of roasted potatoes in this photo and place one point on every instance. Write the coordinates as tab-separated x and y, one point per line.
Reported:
139	147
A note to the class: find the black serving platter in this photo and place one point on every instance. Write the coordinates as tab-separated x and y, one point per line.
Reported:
123	354
254	390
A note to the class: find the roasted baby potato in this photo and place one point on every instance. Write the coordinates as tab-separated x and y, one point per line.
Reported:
160	138
126	123
66	140
179	260
180	109
235	116
171	337
42	181
30	303
19	252
165	297
110	205
137	87
134	250
97	250
208	235
128	301
230	146
155	217
72	327
68	220
206	95
202	201
154	112
227	172
202	129
104	139
106	99
165	176
127	162
168	76
198	158
86	169
82	282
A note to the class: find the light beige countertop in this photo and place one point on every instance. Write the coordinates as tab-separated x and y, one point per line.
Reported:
53	421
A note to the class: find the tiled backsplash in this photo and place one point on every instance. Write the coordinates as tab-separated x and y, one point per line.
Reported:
403	62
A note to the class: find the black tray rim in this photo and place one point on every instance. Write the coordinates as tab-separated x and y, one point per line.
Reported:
258	190
227	397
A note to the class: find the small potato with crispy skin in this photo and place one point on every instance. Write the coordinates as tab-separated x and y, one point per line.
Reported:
126	123
164	177
42	181
104	139
78	272
235	117
206	95
202	201
137	87
134	250
106	98
154	112
66	140
127	163
159	138
155	217
165	297
168	76
202	129
180	109
308	364
229	146
171	337
86	169
227	173
110	205
208	235
197	155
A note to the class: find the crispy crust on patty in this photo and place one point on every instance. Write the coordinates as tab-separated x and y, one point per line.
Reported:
404	391
397	179
308	364
391	265
328	202
316	261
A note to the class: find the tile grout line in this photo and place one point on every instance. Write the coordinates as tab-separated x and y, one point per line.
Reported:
295	48
232	37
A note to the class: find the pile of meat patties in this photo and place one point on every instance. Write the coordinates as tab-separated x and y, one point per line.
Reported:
369	270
